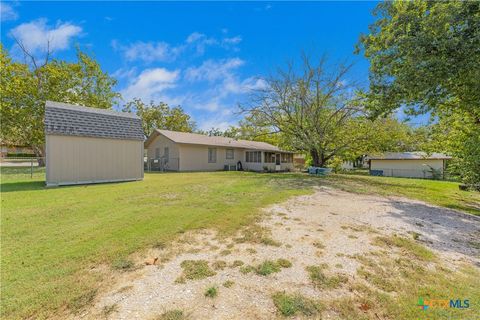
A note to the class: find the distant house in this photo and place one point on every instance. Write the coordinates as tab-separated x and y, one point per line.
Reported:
408	164
90	145
14	150
182	151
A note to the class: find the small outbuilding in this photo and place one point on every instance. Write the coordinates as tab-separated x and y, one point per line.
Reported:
90	145
409	164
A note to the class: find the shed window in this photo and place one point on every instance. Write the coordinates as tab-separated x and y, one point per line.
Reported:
253	156
212	155
230	154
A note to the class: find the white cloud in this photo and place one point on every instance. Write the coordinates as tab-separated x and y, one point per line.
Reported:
165	52
212	70
148	51
37	34
7	13
151	84
232	40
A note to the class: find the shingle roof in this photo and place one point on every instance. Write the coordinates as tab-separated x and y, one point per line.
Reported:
72	120
194	138
419	155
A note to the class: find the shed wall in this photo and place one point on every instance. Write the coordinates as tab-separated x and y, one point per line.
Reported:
407	168
77	160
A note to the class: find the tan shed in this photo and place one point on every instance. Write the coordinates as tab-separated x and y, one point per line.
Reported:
90	145
409	164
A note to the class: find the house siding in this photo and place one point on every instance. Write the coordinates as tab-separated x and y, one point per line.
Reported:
195	158
79	160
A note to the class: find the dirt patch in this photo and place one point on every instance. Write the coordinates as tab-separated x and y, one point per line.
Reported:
318	239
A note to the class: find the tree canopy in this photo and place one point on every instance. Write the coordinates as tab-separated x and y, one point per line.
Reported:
160	116
424	55
25	87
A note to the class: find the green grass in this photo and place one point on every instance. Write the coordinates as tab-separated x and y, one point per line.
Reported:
52	238
442	193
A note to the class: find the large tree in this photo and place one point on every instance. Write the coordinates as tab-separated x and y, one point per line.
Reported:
160	116
25	86
312	106
425	56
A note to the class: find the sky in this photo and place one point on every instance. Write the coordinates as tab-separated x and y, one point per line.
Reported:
204	56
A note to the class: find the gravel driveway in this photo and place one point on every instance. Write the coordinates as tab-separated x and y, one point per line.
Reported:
327	227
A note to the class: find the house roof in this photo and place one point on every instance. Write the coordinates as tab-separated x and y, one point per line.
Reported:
418	155
201	139
72	120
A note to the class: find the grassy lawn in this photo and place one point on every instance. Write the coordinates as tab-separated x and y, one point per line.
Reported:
53	238
441	193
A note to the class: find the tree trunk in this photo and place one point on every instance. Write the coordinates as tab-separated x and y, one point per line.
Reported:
316	158
40	154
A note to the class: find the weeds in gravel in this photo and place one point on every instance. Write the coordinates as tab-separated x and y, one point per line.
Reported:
237	263
123	265
108	310
318	245
219	265
225	252
390	282
246	269
173	315
211	292
270	242
268	267
322	281
196	269
228	284
410	247
294	304
284	263
82	301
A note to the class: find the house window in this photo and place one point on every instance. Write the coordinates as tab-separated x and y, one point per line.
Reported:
269	157
253	156
157	153
230	154
212	155
287	158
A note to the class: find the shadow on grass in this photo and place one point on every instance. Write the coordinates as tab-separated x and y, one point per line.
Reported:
22	186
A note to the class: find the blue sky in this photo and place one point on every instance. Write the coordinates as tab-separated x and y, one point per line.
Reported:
205	57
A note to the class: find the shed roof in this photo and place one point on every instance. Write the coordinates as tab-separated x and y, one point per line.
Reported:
73	120
418	155
201	139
